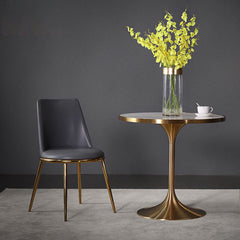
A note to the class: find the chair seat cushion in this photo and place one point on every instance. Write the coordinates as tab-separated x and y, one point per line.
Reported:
72	153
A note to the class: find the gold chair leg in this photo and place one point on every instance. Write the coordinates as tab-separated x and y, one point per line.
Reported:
107	183
35	185
65	190
79	183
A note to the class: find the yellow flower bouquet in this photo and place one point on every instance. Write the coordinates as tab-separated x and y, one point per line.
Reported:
172	47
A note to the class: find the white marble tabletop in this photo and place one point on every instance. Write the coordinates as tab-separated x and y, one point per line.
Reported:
159	118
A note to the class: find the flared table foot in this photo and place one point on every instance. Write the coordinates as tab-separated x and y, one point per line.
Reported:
171	209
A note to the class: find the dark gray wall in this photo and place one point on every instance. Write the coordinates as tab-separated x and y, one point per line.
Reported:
62	49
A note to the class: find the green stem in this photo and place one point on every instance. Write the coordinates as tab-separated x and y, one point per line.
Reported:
172	103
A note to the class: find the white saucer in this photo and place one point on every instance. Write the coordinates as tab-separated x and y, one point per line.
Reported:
203	114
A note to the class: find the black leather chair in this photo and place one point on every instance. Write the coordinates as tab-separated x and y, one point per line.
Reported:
64	138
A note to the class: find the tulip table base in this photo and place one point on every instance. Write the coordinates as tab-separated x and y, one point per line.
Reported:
171	208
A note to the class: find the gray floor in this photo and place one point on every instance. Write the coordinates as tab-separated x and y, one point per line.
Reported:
94	219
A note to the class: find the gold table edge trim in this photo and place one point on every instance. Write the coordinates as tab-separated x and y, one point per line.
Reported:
169	121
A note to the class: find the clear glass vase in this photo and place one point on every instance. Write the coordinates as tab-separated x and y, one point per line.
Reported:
172	92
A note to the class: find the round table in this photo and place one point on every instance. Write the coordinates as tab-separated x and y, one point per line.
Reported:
171	208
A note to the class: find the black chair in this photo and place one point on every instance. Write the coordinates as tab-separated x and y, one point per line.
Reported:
64	138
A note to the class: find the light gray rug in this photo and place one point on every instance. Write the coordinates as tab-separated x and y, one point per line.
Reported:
95	220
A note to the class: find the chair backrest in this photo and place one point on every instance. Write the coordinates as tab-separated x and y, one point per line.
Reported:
61	124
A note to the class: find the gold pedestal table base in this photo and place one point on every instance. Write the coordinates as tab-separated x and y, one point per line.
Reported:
171	208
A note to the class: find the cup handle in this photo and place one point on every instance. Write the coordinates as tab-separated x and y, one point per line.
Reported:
211	109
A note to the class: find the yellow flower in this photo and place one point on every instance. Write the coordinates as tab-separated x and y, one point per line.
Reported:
196	31
184	16
170	46
168	16
130	30
192	21
194	42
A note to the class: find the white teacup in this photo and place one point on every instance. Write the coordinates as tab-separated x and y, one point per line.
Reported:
204	109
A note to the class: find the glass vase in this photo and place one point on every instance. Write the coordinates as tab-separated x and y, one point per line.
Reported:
172	92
